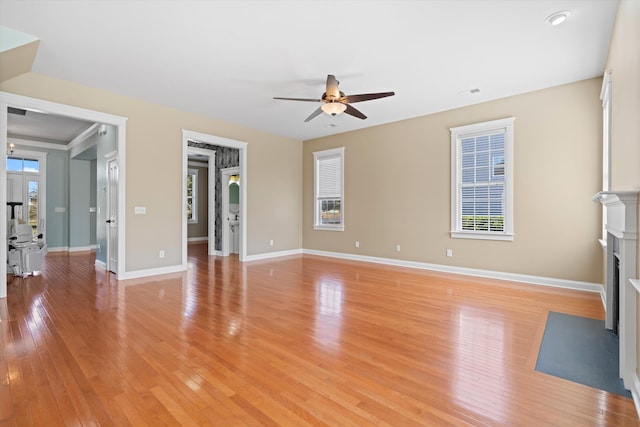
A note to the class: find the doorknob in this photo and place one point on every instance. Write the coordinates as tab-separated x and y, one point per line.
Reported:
109	221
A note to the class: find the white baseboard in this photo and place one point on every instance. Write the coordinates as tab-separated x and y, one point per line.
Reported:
268	255
198	239
150	272
512	277
72	248
635	393
82	248
100	265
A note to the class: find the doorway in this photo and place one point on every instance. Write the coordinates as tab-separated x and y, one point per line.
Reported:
17	101
213	140
208	157
230	180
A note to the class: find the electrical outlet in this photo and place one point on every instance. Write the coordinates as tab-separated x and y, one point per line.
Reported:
449	252
357	244
271	242
397	248
161	255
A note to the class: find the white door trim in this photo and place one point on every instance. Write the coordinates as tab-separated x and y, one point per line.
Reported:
226	232
19	101
187	136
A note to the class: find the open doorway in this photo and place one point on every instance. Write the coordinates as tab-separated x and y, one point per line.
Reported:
200	187
8	101
217	146
230	213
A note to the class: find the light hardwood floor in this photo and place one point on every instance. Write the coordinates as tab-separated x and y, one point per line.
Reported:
296	341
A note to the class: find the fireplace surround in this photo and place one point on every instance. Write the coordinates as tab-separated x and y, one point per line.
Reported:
621	242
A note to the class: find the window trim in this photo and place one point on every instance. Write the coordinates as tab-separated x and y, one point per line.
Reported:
194	196
457	134
317	157
605	97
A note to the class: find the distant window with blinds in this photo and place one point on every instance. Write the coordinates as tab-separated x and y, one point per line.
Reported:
329	186
481	180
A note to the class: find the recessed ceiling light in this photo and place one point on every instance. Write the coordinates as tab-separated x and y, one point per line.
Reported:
558	17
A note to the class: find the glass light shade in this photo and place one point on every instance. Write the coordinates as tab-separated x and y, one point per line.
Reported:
333	108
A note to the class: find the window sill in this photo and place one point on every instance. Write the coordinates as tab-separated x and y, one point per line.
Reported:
603	243
482	235
192	221
329	227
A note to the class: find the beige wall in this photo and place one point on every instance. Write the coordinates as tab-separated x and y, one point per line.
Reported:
201	228
624	63
397	187
154	170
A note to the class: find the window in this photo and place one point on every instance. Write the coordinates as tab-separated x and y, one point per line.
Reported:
481	180
192	196
15	164
328	189
25	184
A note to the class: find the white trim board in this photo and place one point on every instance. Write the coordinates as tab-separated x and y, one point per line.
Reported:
635	393
151	272
82	248
269	255
498	275
198	239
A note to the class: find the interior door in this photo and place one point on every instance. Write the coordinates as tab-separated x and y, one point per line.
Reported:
112	216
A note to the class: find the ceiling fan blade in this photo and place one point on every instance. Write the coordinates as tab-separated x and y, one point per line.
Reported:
299	99
314	114
353	112
332	87
365	97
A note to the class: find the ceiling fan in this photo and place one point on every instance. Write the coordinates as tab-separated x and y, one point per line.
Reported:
335	102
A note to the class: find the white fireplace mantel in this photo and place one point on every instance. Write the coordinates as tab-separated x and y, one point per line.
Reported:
622	224
622	212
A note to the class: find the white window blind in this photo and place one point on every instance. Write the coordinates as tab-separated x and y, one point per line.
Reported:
330	176
329	189
482	188
481	180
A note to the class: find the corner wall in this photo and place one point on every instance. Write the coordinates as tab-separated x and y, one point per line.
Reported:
398	189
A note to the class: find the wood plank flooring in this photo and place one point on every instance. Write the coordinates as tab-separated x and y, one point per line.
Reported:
295	341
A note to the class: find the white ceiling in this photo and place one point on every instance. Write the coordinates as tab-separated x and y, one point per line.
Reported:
228	59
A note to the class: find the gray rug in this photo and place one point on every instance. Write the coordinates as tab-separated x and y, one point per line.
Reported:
581	350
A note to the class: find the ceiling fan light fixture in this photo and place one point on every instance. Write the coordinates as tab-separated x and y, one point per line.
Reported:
558	17
333	108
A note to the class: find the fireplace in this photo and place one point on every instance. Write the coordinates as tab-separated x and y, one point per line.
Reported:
620	298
